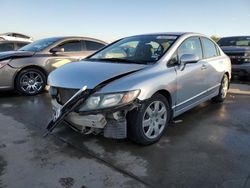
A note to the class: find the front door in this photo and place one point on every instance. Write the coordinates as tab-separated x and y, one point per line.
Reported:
73	51
191	78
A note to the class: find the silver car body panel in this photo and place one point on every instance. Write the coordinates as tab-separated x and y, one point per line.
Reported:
187	87
78	74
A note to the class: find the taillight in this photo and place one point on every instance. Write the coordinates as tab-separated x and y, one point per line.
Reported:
4	62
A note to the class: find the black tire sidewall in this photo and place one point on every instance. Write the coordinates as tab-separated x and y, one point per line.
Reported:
135	129
219	97
22	72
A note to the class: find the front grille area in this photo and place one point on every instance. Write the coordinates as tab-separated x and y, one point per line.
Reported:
63	95
240	54
236	57
237	61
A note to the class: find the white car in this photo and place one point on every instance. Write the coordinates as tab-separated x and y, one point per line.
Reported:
15	37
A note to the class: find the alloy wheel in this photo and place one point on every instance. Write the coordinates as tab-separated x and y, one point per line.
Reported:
31	82
154	119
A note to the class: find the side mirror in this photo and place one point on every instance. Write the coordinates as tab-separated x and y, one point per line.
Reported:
189	58
56	50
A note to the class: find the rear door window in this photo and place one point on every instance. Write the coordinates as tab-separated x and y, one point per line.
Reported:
20	45
209	48
93	46
21	36
6	47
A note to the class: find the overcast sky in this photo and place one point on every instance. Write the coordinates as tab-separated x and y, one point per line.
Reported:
113	19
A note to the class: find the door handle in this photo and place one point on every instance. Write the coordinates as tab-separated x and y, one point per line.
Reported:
203	67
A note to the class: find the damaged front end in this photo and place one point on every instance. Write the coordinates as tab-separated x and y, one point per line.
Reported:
90	113
88	109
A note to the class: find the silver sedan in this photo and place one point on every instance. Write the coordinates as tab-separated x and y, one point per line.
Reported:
136	85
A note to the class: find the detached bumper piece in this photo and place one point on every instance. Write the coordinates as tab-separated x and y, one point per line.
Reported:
75	101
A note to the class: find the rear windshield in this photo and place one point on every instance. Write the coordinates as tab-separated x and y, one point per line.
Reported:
235	41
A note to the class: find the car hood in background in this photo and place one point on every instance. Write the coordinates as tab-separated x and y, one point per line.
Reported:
15	54
90	73
235	48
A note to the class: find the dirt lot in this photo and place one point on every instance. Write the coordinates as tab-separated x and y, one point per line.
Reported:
209	148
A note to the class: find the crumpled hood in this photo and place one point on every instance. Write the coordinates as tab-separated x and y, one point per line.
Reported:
90	73
15	54
235	49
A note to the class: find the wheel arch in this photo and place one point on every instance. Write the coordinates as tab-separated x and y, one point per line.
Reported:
168	96
31	67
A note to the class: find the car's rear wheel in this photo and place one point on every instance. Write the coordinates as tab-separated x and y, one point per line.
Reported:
30	81
147	124
223	90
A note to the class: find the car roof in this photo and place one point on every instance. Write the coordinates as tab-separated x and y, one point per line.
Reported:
15	33
76	37
13	41
169	33
235	36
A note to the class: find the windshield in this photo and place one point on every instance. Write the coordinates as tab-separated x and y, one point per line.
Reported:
39	45
138	49
235	41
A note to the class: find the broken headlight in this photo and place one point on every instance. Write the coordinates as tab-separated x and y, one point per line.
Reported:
100	101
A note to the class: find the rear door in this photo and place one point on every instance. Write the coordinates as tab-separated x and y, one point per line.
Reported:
191	78
214	65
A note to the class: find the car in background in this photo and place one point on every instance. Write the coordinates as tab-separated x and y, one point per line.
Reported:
238	49
15	37
11	45
136	85
26	70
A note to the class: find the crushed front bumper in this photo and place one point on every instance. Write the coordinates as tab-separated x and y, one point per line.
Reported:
111	122
81	121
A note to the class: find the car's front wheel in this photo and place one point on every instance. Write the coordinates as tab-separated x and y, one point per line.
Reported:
30	81
147	124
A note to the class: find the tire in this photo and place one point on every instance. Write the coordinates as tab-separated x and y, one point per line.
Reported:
223	90
140	134
30	81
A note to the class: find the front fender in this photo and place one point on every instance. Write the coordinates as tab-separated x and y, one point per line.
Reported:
149	81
